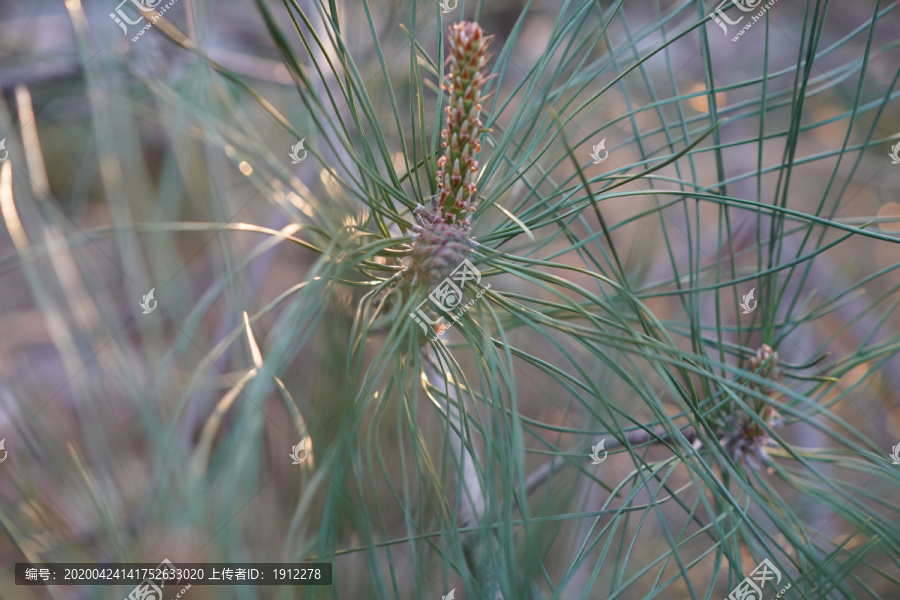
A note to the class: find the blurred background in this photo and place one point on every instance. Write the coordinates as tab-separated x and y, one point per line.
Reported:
164	163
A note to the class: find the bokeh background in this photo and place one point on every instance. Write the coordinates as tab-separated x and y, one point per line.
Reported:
147	165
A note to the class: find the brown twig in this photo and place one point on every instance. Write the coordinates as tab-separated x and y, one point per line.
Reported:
634	438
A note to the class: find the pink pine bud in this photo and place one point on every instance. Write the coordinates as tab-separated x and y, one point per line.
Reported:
441	234
465	83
